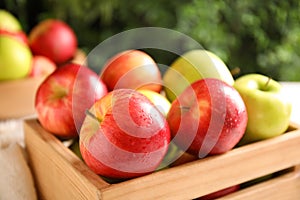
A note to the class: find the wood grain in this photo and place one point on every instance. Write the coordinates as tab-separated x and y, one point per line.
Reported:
59	174
71	179
17	97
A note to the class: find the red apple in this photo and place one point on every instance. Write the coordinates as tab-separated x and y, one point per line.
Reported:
20	35
63	97
209	117
41	66
53	39
220	193
132	69
124	135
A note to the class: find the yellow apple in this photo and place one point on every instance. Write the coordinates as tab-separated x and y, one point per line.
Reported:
15	58
160	101
9	22
192	66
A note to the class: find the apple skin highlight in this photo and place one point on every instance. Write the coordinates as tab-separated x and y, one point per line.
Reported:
129	139
209	117
63	97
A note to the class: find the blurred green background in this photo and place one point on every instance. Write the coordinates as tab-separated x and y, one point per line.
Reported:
256	36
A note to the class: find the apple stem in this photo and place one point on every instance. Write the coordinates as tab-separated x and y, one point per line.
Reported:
87	112
235	71
184	108
267	83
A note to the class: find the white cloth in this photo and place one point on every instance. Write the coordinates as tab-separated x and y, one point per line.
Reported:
16	180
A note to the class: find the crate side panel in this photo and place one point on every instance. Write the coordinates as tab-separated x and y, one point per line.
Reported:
284	187
17	97
211	174
55	177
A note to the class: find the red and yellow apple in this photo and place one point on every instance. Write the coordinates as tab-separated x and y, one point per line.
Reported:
163	105
41	66
15	58
54	39
124	135
192	66
132	69
63	97
209	117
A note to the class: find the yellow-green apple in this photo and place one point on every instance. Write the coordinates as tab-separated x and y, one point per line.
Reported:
15	58
9	22
192	66
132	69
54	39
269	110
160	101
63	97
208	117
124	135
41	66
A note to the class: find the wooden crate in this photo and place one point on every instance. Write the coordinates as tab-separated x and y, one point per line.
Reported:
17	97
60	174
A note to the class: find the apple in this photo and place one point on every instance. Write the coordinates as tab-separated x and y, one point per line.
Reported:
184	158
20	35
15	58
75	148
160	101
124	135
163	105
41	66
54	39
220	193
132	69
192	66
209	117
63	97
80	57
269	110
9	22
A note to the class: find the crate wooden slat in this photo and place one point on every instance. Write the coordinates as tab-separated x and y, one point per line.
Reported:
59	173
71	179
285	187
17	97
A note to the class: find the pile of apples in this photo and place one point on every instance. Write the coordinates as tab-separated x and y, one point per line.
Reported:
50	44
130	118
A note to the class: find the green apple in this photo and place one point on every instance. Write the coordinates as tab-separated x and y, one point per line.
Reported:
9	22
268	110
15	58
192	66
